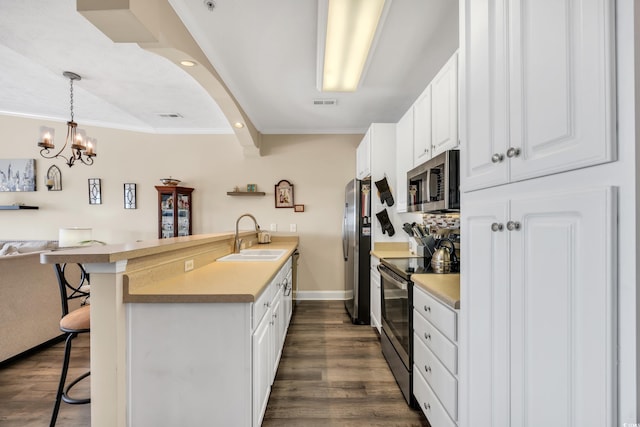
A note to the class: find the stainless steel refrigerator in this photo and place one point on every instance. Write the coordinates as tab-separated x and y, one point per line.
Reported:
356	244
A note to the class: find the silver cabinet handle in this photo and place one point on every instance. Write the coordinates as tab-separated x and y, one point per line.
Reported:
427	369
496	226
427	406
267	304
427	336
513	152
497	158
513	225
427	309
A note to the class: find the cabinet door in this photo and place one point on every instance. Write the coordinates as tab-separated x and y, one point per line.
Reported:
562	86
484	94
404	158
444	108
375	300
277	327
484	318
422	128
363	157
262	368
563	310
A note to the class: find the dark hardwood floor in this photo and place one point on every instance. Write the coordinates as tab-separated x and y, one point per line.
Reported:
28	388
332	373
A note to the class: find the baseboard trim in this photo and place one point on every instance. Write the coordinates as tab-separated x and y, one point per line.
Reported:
320	295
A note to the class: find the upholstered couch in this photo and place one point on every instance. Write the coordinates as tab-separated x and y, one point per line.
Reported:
29	297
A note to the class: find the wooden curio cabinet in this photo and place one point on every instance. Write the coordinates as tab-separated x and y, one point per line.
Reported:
174	211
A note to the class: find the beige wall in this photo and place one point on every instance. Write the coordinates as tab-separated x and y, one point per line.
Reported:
319	166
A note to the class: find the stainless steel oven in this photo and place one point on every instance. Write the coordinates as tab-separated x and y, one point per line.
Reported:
397	321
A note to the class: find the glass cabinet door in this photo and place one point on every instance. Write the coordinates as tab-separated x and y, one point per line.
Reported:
174	211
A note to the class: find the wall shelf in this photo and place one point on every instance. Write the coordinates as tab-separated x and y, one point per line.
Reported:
246	193
16	207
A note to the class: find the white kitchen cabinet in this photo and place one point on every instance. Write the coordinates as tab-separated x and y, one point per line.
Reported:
262	368
444	108
539	310
422	132
363	157
375	296
538	88
435	358
382	140
404	157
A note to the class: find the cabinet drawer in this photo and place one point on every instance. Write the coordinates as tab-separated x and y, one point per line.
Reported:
429	403
435	312
444	349
261	305
441	381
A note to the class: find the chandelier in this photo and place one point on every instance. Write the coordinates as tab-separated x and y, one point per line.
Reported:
83	148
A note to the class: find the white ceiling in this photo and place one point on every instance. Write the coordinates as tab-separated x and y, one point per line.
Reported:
264	51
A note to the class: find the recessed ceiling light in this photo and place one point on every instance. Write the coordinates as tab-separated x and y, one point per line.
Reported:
187	63
238	125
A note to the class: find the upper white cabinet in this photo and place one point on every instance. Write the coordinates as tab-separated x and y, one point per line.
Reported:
538	88
404	157
429	127
381	138
444	108
538	324
422	116
363	157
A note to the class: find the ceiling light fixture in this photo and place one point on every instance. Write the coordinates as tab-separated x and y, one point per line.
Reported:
187	63
83	148
350	30
238	125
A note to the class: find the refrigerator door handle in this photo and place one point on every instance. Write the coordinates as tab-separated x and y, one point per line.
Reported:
345	235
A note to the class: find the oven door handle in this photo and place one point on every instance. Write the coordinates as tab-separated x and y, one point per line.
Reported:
401	283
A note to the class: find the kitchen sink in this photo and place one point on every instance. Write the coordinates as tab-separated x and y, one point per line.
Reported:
255	255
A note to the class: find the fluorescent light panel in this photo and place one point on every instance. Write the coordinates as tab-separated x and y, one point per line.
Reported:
351	27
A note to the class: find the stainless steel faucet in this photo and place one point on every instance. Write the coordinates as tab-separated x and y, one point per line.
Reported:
237	241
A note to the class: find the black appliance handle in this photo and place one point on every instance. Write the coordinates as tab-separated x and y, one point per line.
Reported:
388	274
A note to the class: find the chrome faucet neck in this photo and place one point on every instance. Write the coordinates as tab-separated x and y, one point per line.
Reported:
237	242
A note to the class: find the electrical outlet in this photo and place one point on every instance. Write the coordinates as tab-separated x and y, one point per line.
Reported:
188	265
274	227
293	228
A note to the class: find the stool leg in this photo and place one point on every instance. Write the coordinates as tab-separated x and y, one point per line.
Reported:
63	377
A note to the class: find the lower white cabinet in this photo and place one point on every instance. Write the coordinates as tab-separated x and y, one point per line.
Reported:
213	361
538	310
375	297
435	355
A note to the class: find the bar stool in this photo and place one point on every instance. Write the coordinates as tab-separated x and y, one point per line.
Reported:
73	282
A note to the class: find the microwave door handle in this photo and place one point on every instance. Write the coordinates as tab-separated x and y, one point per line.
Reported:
428	187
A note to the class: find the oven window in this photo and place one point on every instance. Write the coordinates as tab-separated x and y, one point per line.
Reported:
395	311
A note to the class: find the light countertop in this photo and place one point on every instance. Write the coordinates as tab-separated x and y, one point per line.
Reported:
444	287
230	281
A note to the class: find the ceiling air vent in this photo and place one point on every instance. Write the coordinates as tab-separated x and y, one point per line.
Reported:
170	115
325	102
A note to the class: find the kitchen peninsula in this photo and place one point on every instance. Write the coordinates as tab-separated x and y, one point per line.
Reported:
176	347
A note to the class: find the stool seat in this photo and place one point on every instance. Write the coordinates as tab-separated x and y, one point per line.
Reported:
78	320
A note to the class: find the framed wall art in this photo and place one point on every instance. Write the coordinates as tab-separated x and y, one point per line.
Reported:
17	175
284	194
95	191
129	196
298	208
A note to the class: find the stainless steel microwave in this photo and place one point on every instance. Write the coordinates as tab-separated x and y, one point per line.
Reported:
434	186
